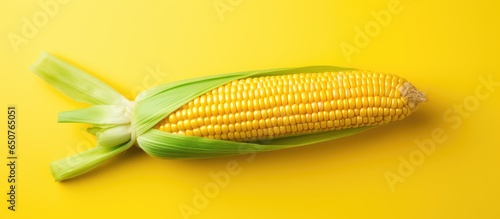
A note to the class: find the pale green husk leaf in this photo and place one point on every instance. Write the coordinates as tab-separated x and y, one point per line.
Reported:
81	163
74	82
167	145
100	115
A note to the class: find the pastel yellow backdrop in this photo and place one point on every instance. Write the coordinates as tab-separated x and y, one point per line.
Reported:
449	49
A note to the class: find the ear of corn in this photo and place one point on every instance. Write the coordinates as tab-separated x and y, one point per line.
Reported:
294	104
243	113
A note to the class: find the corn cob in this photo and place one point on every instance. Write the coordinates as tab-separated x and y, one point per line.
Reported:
226	114
276	106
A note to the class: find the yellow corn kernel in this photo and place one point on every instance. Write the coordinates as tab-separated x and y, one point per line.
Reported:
277	106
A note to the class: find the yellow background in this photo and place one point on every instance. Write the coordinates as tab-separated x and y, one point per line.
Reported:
442	47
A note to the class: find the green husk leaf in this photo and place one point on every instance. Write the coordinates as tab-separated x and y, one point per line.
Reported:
111	109
81	163
167	145
98	115
115	135
74	82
